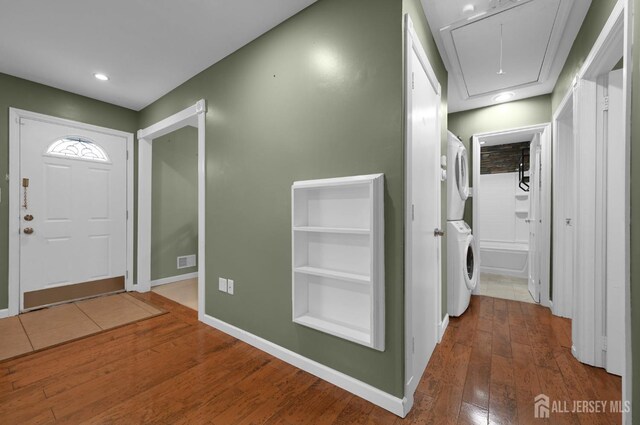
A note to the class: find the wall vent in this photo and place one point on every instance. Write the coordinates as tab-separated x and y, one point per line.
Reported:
186	261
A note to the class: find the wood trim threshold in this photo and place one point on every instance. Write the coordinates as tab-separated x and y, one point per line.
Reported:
67	293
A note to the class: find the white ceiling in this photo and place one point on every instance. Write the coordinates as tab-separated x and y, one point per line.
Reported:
146	47
537	37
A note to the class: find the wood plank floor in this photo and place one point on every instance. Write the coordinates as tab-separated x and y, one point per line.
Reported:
171	369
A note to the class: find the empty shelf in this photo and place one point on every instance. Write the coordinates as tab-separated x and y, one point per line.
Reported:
341	330
351	231
333	274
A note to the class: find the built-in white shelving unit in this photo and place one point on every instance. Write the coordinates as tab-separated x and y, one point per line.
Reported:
338	257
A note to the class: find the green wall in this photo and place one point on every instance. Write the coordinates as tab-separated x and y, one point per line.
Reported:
421	26
318	96
174	201
597	15
519	113
23	94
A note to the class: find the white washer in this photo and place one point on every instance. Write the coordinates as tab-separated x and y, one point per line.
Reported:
462	266
457	178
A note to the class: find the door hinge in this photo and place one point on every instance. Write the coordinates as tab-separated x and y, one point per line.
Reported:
413	344
127	155
127	274
413	212
605	103
413	81
604	343
127	214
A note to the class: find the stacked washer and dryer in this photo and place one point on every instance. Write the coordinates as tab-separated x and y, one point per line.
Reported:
462	262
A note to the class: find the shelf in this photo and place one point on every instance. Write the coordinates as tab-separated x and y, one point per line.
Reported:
316	271
338	257
351	333
350	231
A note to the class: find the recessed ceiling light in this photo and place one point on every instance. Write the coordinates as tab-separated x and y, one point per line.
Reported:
101	77
503	97
468	8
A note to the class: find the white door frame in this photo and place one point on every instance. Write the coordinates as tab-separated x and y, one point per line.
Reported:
614	41
14	195
562	291
193	115
545	231
412	44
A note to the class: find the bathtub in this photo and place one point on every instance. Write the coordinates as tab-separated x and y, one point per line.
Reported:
506	258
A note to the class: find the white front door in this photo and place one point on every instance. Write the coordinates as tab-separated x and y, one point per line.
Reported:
73	209
425	198
534	216
616	227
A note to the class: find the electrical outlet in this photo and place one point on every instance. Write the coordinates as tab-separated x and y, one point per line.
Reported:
222	284
230	286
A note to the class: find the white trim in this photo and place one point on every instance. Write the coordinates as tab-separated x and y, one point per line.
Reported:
412	43
4	313
443	327
627	69
545	233
395	405
188	116
15	297
172	279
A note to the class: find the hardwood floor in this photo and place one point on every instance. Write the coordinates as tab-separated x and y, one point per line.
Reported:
171	369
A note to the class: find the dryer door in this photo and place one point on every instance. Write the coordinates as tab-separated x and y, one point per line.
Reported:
462	176
470	263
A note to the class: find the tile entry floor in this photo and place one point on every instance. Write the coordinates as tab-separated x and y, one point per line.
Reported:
505	287
184	292
53	325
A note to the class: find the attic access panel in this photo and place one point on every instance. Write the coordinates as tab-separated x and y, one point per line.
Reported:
531	33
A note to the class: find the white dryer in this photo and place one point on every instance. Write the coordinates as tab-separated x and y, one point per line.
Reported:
457	178
462	266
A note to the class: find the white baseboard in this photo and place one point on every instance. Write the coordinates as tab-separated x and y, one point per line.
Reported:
395	405
172	279
443	327
4	313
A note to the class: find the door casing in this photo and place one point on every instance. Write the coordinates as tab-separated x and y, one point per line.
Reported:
14	193
193	115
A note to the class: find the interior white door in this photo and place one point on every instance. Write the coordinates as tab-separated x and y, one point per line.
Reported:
568	188
616	235
534	216
425	196
77	198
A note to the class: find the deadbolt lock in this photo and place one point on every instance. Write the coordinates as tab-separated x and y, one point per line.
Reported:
28	230
28	217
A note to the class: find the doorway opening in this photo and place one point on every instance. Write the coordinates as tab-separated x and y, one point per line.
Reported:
511	212
171	184
174	222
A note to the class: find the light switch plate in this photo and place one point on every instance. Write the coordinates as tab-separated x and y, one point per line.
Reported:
230	286
222	284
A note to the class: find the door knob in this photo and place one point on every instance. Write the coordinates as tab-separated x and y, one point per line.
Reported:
28	217
28	230
438	232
